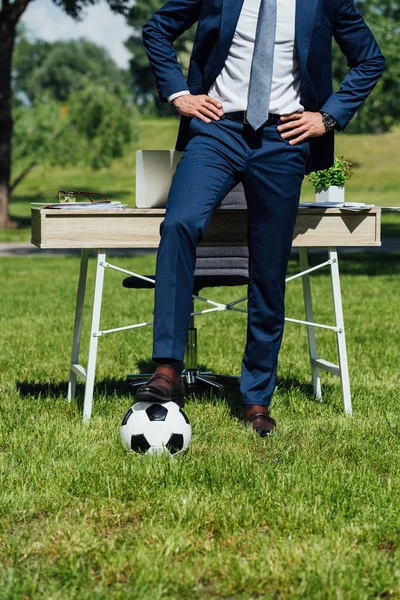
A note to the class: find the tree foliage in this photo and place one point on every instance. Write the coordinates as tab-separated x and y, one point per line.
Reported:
380	112
57	68
141	73
70	105
92	128
11	12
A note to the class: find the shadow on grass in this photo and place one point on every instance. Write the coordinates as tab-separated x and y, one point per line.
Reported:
391	230
30	389
202	392
21	222
121	389
27	198
110	387
231	391
292	390
199	393
288	385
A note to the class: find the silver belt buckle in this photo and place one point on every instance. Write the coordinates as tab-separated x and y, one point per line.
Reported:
245	121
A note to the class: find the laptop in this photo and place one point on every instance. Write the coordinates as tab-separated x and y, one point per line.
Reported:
154	171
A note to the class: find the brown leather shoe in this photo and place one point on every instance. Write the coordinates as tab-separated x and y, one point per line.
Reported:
164	386
259	418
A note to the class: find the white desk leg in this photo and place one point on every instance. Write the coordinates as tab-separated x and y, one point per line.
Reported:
312	341
94	340
340	336
76	338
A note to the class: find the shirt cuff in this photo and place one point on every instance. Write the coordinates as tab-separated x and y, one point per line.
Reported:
177	94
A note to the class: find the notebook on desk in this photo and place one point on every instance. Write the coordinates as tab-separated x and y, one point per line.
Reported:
154	171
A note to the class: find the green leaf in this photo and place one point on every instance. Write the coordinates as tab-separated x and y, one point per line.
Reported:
338	174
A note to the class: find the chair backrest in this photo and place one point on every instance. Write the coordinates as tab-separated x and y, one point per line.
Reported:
235	198
225	260
220	261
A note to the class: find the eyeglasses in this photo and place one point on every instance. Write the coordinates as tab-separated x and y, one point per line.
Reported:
70	196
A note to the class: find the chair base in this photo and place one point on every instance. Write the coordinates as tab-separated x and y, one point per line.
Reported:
193	378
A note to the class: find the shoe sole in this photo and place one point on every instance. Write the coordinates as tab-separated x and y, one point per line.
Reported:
152	397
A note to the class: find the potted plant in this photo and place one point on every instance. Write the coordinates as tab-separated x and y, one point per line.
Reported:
329	183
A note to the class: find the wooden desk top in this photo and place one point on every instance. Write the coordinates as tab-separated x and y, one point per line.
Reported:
139	228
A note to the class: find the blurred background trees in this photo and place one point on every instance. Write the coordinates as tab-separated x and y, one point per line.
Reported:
72	106
142	78
381	111
94	125
60	68
11	12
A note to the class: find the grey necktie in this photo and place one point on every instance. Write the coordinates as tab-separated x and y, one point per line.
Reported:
262	65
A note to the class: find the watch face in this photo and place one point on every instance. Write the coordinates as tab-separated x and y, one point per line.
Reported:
329	121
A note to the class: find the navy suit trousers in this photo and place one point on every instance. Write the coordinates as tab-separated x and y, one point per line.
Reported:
218	155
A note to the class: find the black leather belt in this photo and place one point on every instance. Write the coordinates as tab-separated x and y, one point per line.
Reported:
240	115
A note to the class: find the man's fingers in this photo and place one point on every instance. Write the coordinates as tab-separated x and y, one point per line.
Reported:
287	126
202	106
311	124
213	109
291	116
293	132
202	117
214	106
213	101
208	113
302	138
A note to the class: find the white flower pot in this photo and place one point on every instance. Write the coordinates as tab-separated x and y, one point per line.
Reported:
334	193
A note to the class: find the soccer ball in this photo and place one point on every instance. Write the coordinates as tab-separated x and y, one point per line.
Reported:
153	428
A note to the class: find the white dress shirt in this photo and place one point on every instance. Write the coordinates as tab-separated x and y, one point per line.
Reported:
232	84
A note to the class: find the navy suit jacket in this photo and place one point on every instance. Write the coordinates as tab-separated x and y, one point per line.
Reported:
317	21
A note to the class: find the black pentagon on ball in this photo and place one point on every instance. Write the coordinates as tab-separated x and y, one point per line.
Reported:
126	417
175	443
184	415
139	443
157	412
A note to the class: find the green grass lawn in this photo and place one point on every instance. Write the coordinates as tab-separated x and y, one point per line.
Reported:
311	513
376	177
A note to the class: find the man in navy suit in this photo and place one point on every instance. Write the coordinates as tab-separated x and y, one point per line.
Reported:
257	107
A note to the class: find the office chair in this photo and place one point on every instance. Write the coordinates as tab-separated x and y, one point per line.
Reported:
215	267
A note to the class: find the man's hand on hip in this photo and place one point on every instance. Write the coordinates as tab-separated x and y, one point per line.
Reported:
202	106
299	126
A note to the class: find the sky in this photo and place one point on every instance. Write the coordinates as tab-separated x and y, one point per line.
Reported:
45	20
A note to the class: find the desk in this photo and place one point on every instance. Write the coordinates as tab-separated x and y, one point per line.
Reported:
139	228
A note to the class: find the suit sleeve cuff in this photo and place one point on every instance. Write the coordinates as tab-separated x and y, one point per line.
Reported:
334	107
177	94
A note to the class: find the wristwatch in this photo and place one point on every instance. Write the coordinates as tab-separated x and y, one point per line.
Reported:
329	121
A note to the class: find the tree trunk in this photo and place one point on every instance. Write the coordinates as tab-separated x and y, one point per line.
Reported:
22	175
7	37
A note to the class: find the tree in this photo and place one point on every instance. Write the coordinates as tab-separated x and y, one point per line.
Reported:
60	67
380	112
10	14
141	73
94	126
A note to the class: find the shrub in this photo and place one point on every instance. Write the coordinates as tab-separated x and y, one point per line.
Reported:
335	175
